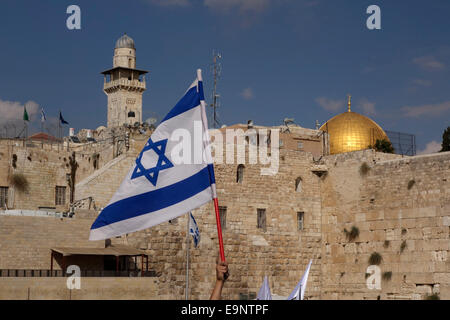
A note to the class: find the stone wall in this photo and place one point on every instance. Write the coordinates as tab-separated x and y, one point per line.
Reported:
90	288
401	208
25	241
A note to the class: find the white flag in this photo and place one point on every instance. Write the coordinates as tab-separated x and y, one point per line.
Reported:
160	187
299	291
264	291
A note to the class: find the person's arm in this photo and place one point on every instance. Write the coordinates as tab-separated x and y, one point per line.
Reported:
221	277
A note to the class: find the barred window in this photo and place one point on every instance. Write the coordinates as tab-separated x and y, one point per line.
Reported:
223	217
300	220
3	197
261	219
60	195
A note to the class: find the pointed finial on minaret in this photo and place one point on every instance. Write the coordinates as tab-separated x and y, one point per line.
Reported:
349	104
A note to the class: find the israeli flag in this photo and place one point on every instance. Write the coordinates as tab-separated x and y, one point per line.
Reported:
264	291
163	185
300	288
193	230
43	117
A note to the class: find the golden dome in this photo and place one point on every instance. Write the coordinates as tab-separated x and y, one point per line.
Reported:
351	131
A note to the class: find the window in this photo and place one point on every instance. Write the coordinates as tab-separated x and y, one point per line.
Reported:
3	197
300	220
223	217
261	219
60	196
240	173
298	184
300	145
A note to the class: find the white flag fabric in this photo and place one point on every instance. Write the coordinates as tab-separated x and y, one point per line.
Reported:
264	291
193	229
299	291
160	187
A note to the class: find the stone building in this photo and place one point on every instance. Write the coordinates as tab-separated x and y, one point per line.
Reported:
376	225
124	85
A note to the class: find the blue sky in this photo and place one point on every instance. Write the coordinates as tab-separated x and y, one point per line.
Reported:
280	58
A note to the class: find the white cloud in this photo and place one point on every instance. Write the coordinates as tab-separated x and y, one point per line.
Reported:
422	82
170	3
243	6
329	104
247	94
431	147
431	110
368	107
429	63
11	112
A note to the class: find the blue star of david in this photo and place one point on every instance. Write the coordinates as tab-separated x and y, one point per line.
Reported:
163	163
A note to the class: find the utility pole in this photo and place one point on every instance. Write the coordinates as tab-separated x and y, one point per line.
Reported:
217	68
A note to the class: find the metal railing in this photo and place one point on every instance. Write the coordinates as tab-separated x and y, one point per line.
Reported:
84	273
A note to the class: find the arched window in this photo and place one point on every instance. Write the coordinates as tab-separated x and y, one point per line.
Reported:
298	184
131	114
240	173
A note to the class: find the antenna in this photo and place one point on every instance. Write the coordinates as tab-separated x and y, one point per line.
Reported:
217	69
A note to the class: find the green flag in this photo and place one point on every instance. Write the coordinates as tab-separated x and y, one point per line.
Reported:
25	114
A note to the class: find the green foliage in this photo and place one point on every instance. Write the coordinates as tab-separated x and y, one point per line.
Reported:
19	182
387	275
434	296
383	145
364	168
375	258
352	234
403	246
446	140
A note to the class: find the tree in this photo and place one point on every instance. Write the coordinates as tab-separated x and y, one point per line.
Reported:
383	145
446	140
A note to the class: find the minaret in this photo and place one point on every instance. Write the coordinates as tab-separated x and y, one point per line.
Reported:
124	85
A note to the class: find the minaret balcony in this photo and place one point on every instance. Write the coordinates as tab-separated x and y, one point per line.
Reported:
124	84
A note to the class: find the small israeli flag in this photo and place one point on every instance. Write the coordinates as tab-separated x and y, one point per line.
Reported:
162	185
43	117
193	230
299	291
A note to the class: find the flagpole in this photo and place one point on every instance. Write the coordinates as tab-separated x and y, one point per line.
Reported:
219	230
187	256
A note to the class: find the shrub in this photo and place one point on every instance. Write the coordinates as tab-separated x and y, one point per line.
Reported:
387	275
352	234
411	184
403	246
19	182
364	168
434	296
386	243
375	258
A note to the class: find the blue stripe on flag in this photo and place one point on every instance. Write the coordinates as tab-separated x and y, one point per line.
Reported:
189	101
155	200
